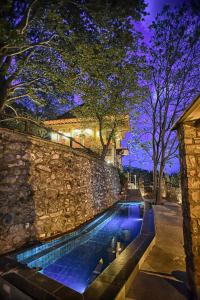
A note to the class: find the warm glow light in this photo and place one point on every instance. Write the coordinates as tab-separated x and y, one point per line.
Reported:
76	132
88	131
54	136
64	135
67	133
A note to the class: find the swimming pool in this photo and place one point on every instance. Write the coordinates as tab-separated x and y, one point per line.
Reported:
76	259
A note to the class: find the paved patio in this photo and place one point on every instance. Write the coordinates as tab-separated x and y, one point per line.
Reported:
163	275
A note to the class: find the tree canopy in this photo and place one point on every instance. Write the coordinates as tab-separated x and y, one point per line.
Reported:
108	80
38	39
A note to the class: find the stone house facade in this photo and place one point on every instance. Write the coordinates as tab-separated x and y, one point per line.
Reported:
188	127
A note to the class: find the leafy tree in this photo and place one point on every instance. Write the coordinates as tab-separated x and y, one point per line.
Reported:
108	79
31	64
37	44
175	179
173	80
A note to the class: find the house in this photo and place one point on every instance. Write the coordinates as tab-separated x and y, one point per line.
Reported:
188	127
87	134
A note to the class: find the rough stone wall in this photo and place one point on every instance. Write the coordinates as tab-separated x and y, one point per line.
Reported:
189	137
48	188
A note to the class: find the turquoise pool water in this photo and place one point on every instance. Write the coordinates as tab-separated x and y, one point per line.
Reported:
76	259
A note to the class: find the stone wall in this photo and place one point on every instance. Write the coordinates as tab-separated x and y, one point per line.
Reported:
48	188
189	137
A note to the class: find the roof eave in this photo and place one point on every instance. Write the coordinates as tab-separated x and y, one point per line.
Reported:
195	103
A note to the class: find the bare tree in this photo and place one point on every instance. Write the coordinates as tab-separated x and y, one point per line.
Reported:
173	80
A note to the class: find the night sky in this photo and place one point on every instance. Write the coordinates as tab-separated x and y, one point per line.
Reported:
154	7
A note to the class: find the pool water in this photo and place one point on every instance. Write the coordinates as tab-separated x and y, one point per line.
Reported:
76	262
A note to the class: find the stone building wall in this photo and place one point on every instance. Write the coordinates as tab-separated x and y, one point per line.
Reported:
48	188
189	137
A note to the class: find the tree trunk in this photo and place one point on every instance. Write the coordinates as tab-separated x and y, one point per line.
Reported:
104	151
3	93
159	189
106	146
155	177
2	103
101	136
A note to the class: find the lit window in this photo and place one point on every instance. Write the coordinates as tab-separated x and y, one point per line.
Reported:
54	136
76	132
61	136
88	131
67	133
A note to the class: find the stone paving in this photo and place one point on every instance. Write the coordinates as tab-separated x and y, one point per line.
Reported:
163	276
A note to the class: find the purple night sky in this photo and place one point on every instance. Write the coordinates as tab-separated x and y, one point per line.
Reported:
154	7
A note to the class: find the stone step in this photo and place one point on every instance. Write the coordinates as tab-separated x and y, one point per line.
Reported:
134	195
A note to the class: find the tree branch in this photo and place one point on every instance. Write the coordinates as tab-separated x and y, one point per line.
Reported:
22	84
27	17
33	46
17	97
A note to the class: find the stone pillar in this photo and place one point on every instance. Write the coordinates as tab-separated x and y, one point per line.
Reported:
189	136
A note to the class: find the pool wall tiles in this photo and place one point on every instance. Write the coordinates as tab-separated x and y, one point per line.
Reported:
36	258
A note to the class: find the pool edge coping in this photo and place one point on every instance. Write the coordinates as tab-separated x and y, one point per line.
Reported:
135	258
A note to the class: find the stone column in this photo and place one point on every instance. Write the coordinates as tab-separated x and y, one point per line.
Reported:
189	136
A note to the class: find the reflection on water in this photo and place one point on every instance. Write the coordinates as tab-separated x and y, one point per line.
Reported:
78	268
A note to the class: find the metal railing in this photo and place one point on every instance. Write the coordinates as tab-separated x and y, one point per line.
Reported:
37	128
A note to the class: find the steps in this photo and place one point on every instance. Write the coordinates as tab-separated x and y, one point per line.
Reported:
134	195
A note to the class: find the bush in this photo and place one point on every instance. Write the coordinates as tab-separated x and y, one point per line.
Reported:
123	179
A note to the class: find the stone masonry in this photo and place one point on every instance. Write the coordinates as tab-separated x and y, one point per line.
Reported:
189	137
47	189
